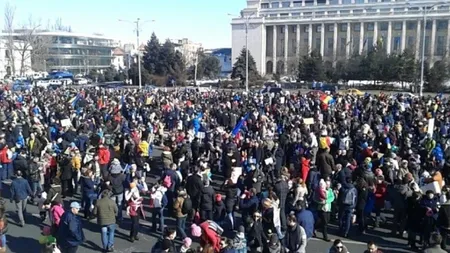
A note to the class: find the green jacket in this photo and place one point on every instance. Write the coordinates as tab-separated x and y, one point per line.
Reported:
106	210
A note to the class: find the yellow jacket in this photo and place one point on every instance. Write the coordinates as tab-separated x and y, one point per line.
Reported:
76	162
143	147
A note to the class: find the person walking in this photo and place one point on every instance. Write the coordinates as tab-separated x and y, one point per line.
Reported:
180	208
20	190
134	210
117	179
70	233
106	210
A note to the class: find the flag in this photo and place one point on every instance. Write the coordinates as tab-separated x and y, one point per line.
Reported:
73	101
239	125
100	103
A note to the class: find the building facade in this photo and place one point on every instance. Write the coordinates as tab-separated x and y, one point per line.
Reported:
78	53
188	48
280	31
224	56
118	58
14	66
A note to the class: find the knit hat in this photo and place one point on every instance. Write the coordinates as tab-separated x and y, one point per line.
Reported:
218	197
196	231
187	242
273	239
241	229
46	230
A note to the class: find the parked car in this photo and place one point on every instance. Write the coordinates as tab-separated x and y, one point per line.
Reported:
43	83
81	81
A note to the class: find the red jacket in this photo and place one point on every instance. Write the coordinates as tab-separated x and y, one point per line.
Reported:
305	168
104	155
4	156
380	195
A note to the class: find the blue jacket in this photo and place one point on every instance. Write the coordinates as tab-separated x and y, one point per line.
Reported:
70	232
87	185
306	219
20	189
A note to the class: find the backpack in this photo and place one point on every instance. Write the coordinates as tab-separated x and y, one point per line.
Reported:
167	182
187	206
349	197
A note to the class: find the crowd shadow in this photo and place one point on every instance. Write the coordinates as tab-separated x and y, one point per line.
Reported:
22	244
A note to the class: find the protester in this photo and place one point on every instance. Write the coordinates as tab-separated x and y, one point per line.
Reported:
70	233
20	191
106	212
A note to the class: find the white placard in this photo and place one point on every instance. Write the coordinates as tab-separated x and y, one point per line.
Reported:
308	121
268	161
66	123
282	100
431	126
235	174
201	135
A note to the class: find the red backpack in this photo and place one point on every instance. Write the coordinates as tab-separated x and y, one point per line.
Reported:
167	182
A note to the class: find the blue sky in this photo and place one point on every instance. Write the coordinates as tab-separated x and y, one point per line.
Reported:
203	21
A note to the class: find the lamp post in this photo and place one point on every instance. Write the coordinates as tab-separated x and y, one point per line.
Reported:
137	22
247	20
425	10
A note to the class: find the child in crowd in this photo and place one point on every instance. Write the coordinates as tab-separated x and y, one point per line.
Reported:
239	241
186	247
219	210
56	212
48	242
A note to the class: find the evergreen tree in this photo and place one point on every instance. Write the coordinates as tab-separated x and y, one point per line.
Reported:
151	58
239	67
311	67
208	66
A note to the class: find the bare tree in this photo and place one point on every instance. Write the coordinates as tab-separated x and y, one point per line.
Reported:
32	47
292	66
9	14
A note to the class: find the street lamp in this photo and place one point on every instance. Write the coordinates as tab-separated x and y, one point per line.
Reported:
247	20
425	10
137	45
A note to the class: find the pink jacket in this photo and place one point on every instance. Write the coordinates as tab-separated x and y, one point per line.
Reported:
56	212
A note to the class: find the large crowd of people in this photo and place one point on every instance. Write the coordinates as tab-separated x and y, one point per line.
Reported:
238	172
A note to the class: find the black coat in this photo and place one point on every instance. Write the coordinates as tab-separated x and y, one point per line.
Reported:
20	163
231	197
282	189
207	198
194	186
65	166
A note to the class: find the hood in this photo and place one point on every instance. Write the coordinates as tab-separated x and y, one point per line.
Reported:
115	168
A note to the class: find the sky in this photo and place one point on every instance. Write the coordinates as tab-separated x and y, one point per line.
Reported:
201	21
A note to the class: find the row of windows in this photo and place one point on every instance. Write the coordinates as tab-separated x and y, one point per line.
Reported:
78	62
367	44
382	26
298	3
349	12
80	41
74	51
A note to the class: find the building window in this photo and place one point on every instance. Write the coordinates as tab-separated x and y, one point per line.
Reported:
330	43
6	54
319	14
358	11
429	24
398	26
275	5
370	27
343	45
284	15
442	24
321	2
282	29
344	12
397	43
286	4
369	43
399	10
411	25
440	45
265	6
309	2
370	10
273	15
427	45
373	1
294	46
295	14
319	28
330	28
357	27
307	14
385	11
294	28
410	41
346	1
384	26
359	1
332	13
317	43
343	27
306	29
333	2
297	3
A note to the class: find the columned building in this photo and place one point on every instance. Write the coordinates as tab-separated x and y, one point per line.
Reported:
280	31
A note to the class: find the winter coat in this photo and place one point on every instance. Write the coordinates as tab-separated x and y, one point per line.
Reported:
104	155
167	158
106	210
20	189
194	186
325	163
65	166
70	232
380	195
295	239
56	212
305	218
230	197
20	163
207	199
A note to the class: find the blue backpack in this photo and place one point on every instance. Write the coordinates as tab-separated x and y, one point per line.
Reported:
349	197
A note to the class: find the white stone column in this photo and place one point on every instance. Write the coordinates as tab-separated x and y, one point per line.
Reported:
432	42
447	48
375	33
274	45
335	43
286	47
348	40
263	51
403	36
322	39
389	38
418	39
361	38
310	32
298	40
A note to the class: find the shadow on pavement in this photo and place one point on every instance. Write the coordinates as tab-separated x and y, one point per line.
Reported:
22	244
